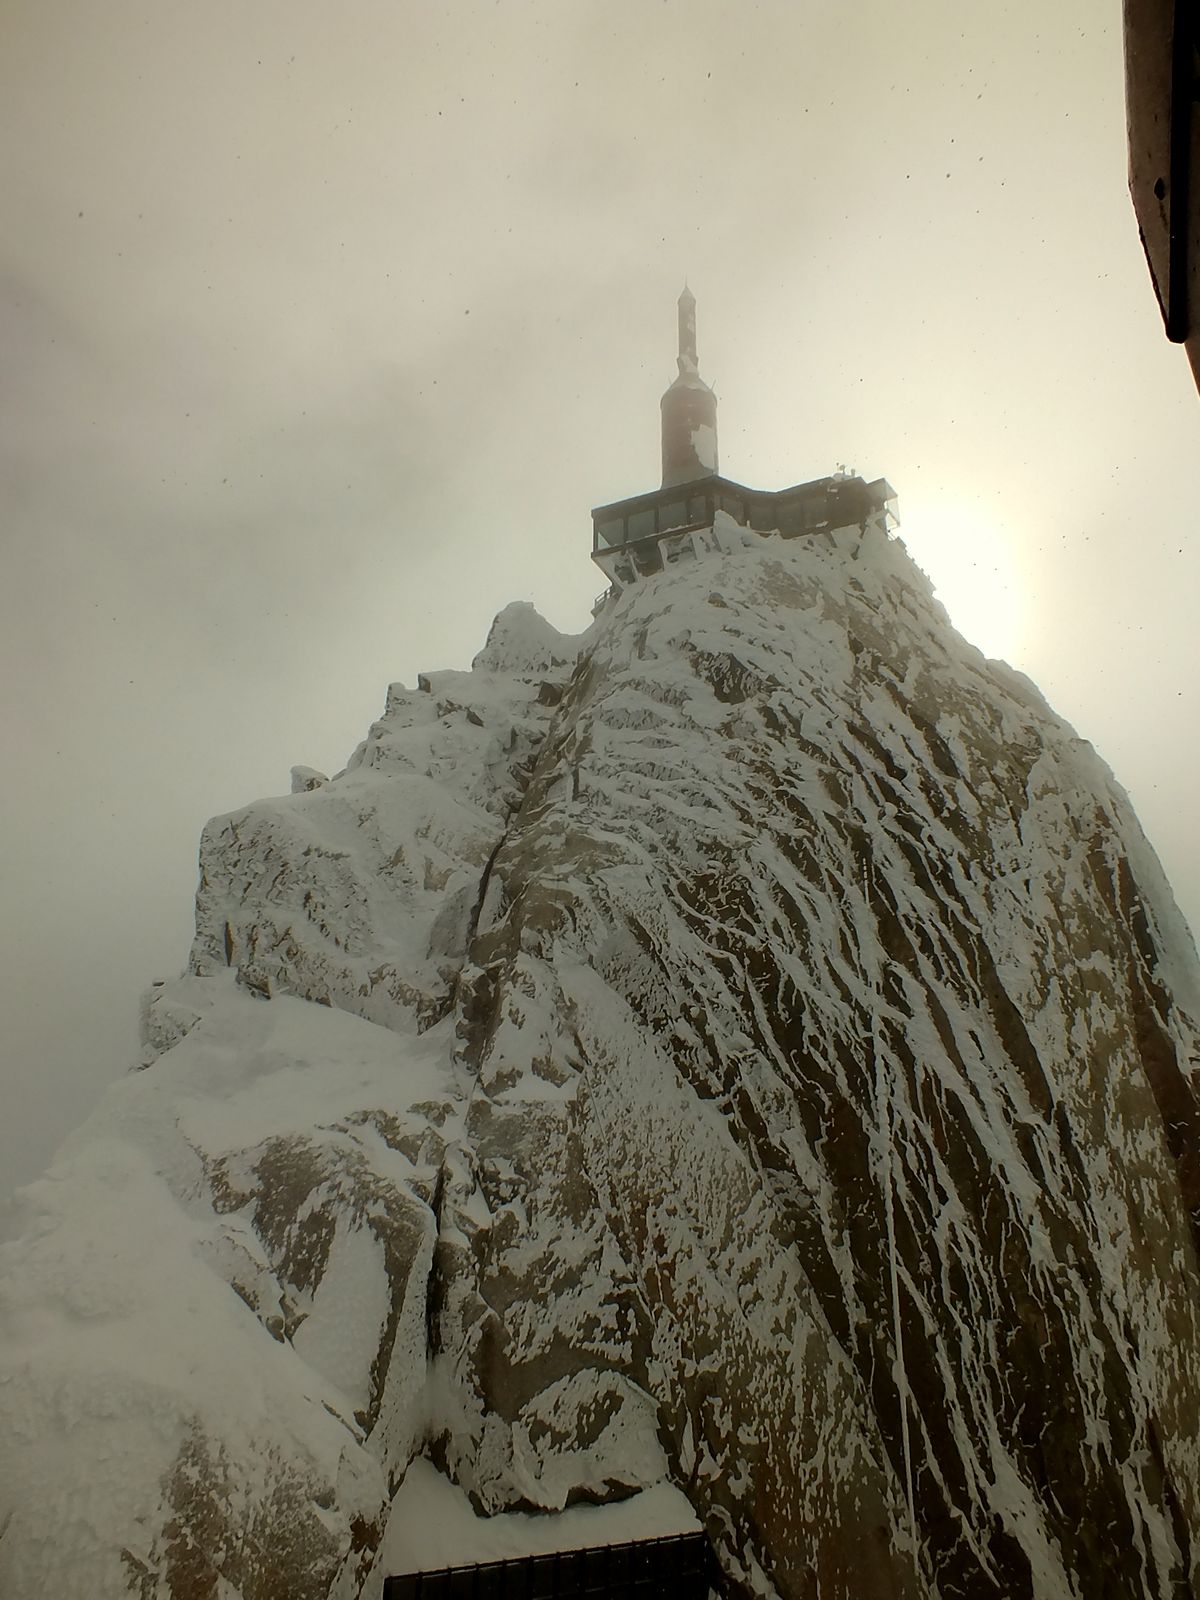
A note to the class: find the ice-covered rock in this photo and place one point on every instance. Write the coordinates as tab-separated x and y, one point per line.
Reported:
362	892
306	778
214	1337
759	1055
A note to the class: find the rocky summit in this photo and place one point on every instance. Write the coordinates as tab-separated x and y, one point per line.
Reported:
749	1047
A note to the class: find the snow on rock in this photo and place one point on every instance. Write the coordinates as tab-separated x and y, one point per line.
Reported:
750	1048
183	1413
523	643
832	1024
306	778
360	893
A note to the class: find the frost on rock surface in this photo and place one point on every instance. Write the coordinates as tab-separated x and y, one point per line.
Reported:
750	1048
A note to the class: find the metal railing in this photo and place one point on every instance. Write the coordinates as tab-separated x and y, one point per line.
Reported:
680	1566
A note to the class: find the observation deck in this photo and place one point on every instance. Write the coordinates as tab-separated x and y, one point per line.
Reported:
641	536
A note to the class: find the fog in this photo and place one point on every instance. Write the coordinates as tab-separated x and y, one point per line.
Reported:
324	327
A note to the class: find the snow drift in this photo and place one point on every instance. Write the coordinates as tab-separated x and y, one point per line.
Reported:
750	1048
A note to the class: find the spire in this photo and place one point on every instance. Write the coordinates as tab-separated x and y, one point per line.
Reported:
688	360
689	410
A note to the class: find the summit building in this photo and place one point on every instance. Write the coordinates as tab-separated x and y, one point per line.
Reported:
642	535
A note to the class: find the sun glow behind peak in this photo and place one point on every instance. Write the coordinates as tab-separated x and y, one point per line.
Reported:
971	564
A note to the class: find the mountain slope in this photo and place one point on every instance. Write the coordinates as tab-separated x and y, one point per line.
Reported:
822	902
778	1075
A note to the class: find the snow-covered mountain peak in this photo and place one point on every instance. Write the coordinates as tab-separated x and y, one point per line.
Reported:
522	642
750	1047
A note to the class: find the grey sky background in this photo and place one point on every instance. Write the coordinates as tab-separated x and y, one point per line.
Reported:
323	327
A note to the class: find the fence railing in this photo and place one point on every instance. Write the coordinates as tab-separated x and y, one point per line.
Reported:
679	1566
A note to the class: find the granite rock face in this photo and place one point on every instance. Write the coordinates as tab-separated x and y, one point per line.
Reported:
751	1046
362	893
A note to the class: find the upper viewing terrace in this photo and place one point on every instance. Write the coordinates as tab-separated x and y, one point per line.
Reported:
638	537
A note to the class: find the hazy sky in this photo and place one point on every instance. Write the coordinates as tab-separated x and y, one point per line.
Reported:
324	326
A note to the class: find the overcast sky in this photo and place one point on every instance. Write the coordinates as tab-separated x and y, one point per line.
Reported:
324	326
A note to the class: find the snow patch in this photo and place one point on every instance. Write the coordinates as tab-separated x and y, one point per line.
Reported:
432	1525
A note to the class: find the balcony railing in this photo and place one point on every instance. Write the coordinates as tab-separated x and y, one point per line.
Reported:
804	508
680	1566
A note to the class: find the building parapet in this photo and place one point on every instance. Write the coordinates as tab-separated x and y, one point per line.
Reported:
639	536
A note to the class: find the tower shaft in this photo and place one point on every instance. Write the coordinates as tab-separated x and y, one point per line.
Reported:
689	410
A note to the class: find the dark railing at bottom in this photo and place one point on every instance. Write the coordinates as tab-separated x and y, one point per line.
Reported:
680	1566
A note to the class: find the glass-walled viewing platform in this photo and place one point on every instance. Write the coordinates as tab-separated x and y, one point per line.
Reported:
638	537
